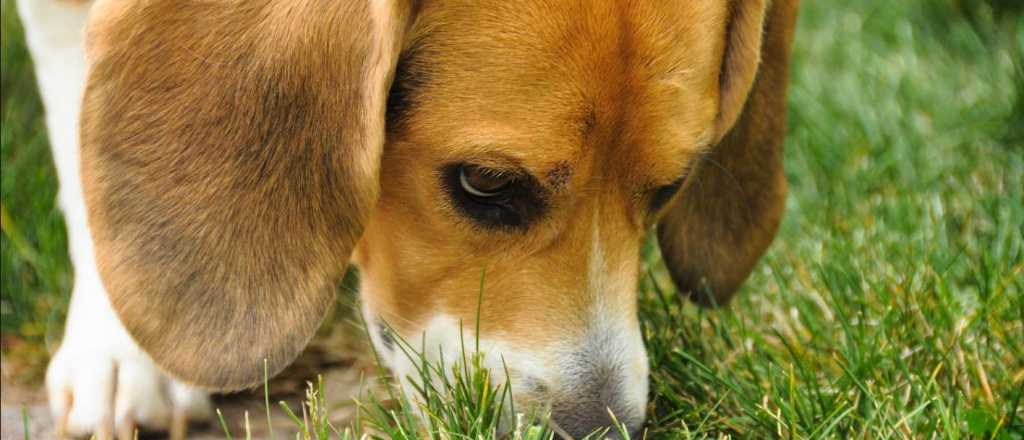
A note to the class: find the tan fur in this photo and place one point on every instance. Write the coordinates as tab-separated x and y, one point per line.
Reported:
621	95
231	154
740	61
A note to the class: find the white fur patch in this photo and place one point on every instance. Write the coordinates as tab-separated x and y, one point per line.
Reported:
99	379
615	332
616	340
557	369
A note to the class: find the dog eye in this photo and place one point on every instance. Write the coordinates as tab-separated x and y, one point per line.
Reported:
505	199
482	182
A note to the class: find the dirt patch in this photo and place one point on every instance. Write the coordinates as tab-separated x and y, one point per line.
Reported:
339	354
341	385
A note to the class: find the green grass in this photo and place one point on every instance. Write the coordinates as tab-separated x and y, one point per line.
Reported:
890	306
35	274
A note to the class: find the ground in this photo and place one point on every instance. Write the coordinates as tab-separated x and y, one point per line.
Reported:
891	304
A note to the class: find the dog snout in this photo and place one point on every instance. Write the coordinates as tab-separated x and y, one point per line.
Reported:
602	383
599	395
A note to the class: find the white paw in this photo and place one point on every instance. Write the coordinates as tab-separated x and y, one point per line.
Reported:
96	392
101	383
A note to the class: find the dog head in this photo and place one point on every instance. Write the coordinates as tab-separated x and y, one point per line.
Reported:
471	157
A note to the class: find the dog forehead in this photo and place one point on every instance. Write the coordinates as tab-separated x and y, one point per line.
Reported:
553	80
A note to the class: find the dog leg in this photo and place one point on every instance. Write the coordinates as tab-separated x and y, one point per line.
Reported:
99	381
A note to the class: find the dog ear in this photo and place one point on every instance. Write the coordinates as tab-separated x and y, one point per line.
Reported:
230	157
726	217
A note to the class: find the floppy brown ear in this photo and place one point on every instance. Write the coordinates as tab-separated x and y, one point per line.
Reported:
728	214
230	154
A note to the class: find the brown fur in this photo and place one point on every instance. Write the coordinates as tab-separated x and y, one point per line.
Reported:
231	154
230	162
728	216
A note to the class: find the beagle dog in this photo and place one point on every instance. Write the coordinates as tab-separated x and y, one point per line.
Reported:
223	162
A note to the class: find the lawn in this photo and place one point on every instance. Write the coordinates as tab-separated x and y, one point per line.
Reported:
892	302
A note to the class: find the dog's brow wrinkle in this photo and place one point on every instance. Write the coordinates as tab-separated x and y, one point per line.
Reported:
588	122
559	175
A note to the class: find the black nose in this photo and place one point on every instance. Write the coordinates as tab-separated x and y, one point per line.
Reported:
607	431
597	392
582	417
